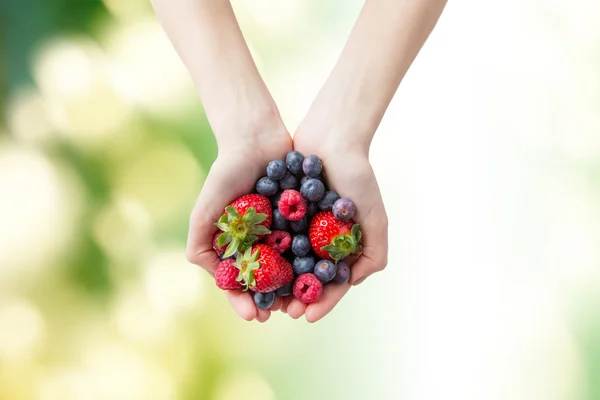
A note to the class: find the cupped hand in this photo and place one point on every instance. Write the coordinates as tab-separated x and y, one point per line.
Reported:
347	171
242	159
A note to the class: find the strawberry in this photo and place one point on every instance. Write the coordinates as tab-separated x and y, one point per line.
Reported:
226	275
245	220
333	239
263	269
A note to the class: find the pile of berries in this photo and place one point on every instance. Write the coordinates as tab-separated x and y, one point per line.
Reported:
289	238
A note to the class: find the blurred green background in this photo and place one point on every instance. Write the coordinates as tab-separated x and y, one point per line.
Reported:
493	286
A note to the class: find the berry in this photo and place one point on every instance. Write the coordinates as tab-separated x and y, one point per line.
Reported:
343	273
245	220
276	169
308	178
312	166
279	240
279	223
300	245
264	301
313	190
344	209
292	205
218	249
266	186
332	239
293	161
302	265
328	200
289	181
325	270
308	288
299	226
312	209
226	275
275	200
285	290
262	269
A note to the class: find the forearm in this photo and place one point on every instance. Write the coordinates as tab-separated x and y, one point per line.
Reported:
383	44
208	39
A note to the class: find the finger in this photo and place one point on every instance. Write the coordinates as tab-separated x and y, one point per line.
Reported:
263	315
329	298
296	308
285	303
364	267
242	304
277	304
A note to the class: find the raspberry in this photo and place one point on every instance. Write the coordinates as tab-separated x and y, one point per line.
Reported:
292	205
308	288
216	248
279	240
226	274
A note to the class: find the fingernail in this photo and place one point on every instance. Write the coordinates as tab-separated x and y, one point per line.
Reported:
361	280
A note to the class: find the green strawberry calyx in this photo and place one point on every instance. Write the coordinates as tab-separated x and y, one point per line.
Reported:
239	232
343	245
247	263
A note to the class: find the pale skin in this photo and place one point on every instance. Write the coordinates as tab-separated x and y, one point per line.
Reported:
338	128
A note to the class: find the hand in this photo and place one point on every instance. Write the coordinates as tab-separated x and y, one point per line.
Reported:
241	160
349	173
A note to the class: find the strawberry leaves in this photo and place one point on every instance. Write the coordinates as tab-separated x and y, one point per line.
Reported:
343	245
239	232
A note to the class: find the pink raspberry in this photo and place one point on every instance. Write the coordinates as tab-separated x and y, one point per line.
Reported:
308	288
226	274
279	240
216	248
292	205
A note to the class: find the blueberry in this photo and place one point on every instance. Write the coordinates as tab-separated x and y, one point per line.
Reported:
344	209
302	265
276	169
266	186
308	178
285	290
289	181
313	190
312	209
293	161
300	245
343	273
328	200
299	226
325	270
312	166
275	200
279	223
264	300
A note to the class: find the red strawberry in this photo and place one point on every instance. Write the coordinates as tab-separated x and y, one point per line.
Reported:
226	275
262	269
333	239
245	221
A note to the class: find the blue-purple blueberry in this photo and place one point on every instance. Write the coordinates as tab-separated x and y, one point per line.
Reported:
344	209
312	190
325	270
285	290
308	178
264	301
342	274
289	181
299	226
275	200
303	265
312	166
300	245
293	162
312	209
328	200
279	223
276	169
267	186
